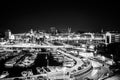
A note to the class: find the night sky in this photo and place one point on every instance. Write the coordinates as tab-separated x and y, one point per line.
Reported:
83	16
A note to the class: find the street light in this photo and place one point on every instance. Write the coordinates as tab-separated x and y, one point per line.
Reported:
111	56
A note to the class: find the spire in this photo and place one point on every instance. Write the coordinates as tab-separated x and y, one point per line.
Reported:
31	31
69	30
102	31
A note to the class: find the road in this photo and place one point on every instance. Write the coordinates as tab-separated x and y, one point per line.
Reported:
33	46
116	77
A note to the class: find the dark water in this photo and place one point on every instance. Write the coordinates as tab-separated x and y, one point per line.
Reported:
40	61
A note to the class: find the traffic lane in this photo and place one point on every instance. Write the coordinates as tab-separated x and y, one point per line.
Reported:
100	73
78	61
84	75
116	77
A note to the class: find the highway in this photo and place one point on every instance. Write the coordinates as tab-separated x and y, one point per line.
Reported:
78	60
95	73
82	72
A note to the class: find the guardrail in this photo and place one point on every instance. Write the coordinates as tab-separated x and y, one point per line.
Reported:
80	72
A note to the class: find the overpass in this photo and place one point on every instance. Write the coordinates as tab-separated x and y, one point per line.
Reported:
34	46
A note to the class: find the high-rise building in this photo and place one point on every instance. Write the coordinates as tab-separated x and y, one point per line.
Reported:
53	30
112	37
8	34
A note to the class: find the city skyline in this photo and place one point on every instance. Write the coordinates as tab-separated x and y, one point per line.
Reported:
63	40
90	16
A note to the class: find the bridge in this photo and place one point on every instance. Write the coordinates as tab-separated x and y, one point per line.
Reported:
34	46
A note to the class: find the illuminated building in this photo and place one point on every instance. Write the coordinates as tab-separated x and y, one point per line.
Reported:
112	37
8	34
